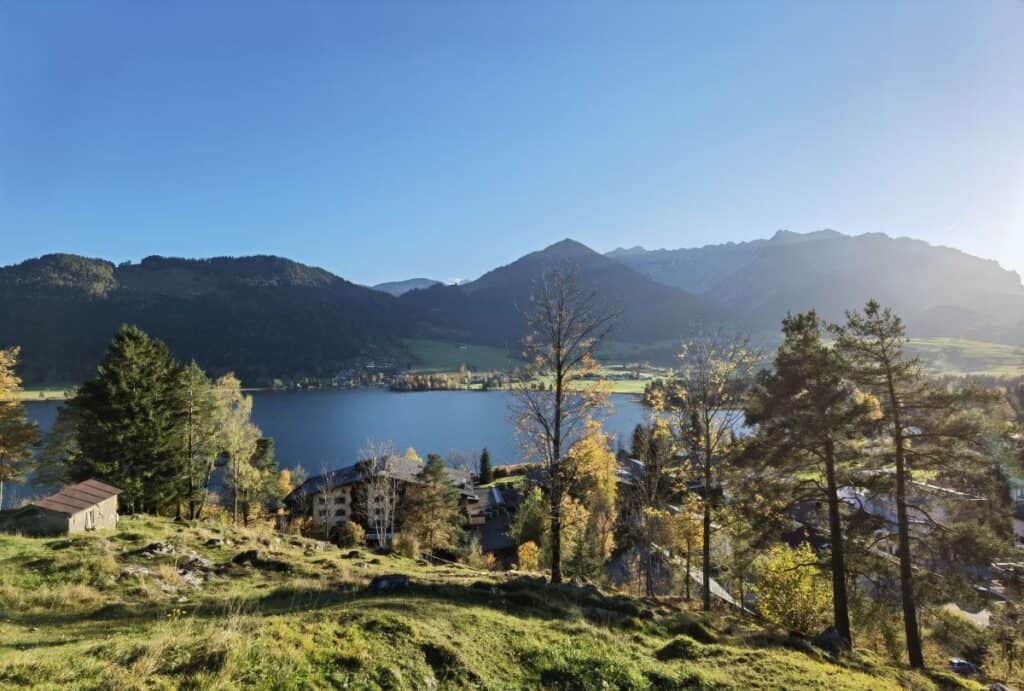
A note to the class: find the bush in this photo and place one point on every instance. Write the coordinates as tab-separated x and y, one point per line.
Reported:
958	634
407	545
351	534
529	556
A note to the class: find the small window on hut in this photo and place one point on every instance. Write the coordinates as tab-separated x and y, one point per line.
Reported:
90	519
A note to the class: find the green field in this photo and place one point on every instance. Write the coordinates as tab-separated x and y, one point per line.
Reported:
444	356
94	612
43	394
965	357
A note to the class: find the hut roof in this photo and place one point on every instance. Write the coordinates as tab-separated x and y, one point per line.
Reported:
75	498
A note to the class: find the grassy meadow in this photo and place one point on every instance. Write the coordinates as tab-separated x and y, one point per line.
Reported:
960	357
444	356
95	612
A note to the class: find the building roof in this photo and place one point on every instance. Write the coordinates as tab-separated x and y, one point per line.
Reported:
398	467
75	498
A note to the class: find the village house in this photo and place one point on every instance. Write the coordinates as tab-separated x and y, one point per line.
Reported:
366	494
87	506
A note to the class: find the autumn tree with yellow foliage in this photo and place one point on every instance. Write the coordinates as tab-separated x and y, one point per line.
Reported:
565	324
791	592
594	484
17	434
704	398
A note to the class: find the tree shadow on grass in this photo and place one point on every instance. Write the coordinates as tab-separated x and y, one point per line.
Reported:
528	600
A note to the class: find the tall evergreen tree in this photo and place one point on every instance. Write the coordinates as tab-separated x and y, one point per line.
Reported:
130	424
807	413
431	513
926	428
486	471
17	434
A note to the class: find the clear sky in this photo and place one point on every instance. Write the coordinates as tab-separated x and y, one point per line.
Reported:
389	139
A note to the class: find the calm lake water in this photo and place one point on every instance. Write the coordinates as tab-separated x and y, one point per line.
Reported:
326	429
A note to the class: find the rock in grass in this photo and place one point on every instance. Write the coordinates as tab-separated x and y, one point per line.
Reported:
252	557
246	557
155	549
388	584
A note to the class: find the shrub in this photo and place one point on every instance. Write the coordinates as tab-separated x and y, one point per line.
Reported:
529	556
351	534
958	634
407	545
791	592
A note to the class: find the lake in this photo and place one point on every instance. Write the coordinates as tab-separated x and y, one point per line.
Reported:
326	429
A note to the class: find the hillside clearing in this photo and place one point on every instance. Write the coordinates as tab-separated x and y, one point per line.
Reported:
159	604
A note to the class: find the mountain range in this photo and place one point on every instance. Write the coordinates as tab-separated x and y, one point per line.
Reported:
266	317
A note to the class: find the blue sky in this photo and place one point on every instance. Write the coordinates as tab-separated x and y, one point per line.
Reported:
387	140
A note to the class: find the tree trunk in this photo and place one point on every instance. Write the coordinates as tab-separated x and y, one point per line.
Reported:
840	601
688	569
556	478
707	524
556	533
910	627
1	495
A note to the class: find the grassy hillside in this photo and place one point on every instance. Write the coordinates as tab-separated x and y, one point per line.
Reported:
962	356
444	356
102	611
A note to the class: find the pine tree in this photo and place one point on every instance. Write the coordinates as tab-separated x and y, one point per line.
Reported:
129	422
17	434
926	428
486	471
807	413
431	513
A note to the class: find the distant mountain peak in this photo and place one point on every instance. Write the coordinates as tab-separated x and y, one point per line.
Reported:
567	247
397	288
788	236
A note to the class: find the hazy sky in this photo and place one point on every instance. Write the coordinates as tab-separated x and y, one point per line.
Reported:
387	140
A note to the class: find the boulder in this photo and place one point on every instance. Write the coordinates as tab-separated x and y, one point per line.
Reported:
155	549
388	584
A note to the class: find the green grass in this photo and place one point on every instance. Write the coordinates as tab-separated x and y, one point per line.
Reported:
964	357
75	613
511	480
43	394
443	356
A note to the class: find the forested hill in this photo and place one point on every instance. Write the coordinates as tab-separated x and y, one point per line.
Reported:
258	316
938	290
490	309
265	317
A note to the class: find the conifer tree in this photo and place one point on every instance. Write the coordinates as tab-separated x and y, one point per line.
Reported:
431	513
486	471
807	413
927	427
129	422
